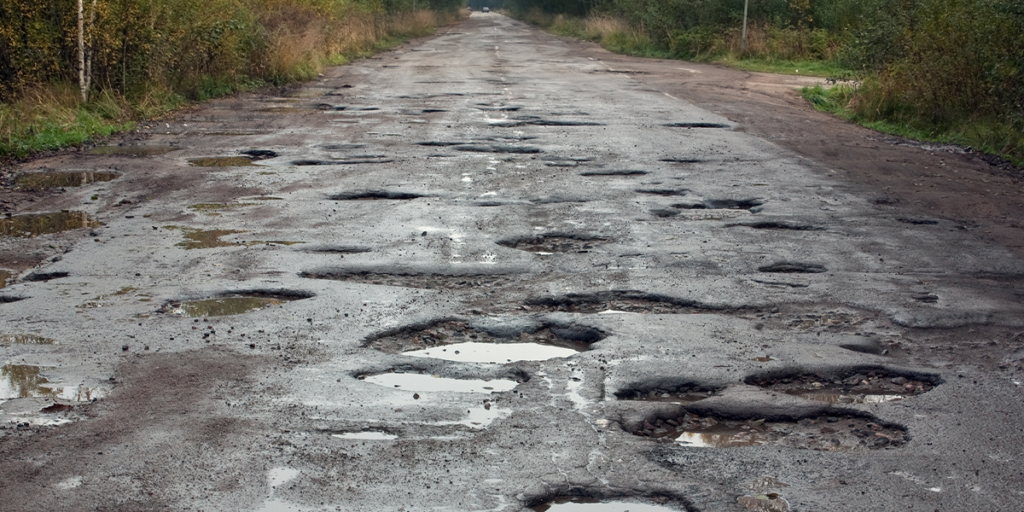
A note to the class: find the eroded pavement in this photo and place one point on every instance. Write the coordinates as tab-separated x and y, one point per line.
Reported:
481	272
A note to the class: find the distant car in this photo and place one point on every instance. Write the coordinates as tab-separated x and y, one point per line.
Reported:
486	9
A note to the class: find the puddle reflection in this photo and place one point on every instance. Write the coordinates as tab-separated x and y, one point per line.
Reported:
5	275
132	150
25	381
366	436
42	181
33	225
496	353
578	504
225	306
427	383
24	339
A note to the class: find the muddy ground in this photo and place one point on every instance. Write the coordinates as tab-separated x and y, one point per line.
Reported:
494	269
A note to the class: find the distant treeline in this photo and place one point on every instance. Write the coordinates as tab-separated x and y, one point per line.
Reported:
931	64
191	47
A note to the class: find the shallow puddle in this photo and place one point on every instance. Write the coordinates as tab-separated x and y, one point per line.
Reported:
434	383
456	341
547	244
366	436
867	387
229	305
132	150
24	339
45	180
579	504
204	239
678	395
33	225
214	207
5	275
771	502
23	381
221	161
824	433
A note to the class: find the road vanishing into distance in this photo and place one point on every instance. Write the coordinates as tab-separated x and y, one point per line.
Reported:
488	271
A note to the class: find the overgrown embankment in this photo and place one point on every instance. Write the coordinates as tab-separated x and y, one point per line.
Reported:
146	57
944	70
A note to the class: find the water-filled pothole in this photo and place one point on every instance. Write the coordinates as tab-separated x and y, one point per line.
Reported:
25	381
221	161
555	242
663	191
45	180
789	267
5	275
828	433
35	224
204	238
366	436
615	172
456	341
413	280
36	277
679	394
232	304
721	204
619	301
680	160
370	195
24	339
132	150
697	125
435	383
770	502
860	387
586	504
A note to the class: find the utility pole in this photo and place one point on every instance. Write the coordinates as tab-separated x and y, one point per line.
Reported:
743	38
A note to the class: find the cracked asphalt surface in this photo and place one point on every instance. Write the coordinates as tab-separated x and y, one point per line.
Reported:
209	336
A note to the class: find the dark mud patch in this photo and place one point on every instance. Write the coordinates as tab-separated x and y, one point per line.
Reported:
789	267
864	386
132	150
36	277
616	172
721	204
35	224
499	343
497	148
414	280
46	180
627	503
221	161
663	191
620	300
232	303
772	225
552	243
697	125
839	432
372	195
686	393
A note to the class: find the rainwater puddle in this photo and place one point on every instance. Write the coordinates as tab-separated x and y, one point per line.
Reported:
25	381
132	150
24	339
555	243
685	394
5	275
867	387
663	191
823	433
579	504
45	180
221	161
33	225
425	281
366	436
434	383
771	502
229	305
204	239
456	341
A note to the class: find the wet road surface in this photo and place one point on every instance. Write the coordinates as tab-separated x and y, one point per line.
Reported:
483	272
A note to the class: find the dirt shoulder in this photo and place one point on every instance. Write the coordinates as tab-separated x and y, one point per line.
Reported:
927	180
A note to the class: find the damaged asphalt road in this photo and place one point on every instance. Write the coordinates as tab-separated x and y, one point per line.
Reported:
482	273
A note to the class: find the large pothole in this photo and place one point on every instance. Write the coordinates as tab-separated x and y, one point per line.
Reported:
490	341
428	281
863	386
45	180
721	204
620	301
587	504
234	303
35	224
686	393
792	267
555	242
372	195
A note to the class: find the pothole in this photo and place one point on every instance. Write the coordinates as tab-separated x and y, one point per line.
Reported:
616	301
917	222
697	125
826	433
35	224
5	275
776	225
36	277
350	160
213	208
369	195
366	436
789	267
680	160
615	172
552	243
221	161
425	383
861	387
204	238
585	504
132	150
456	340
338	249
663	191
414	280
232	304
497	148
664	213
25	381
721	204
24	339
678	394
770	502
7	299
45	180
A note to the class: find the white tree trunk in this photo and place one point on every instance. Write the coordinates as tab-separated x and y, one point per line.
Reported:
82	85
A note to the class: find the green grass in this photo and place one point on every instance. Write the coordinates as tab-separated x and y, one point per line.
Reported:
786	67
48	133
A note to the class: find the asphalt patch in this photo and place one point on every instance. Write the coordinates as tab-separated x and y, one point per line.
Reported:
45	180
552	243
